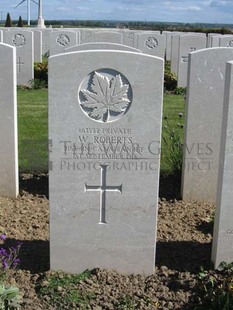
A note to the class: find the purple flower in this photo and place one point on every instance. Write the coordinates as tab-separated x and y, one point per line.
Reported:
3	237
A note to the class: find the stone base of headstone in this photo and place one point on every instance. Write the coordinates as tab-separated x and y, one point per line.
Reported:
40	23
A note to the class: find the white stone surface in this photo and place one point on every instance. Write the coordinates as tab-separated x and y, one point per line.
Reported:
204	108
23	40
175	53
46	41
37	45
89	35
226	41
113	228
9	181
151	43
187	44
100	46
222	247
62	39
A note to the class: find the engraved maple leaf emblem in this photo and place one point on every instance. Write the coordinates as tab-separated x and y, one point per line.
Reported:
107	96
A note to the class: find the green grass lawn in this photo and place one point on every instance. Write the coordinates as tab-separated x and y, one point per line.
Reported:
33	129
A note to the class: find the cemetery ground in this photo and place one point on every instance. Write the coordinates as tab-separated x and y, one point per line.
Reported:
183	239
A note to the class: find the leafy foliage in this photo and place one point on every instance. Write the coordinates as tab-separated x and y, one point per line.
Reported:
170	79
10	298
173	141
41	73
62	290
216	288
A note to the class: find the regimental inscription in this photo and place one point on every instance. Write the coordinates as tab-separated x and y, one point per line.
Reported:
63	40
103	188
151	43
105	95
230	44
19	40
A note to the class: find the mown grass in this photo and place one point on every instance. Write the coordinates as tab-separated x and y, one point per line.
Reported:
33	129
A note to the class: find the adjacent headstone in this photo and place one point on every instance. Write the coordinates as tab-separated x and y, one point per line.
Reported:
214	41
204	108
226	41
24	43
222	248
187	44
151	43
175	42
9	181
100	46
37	45
105	131
129	37
46	41
60	40
88	36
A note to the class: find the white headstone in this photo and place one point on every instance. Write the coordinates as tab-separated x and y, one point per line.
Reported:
226	41
222	248
100	46
60	40
37	45
204	108
187	44
175	53
9	180
129	37
88	36
24	42
151	43
105	127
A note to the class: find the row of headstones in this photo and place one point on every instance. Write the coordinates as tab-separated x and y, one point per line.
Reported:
31	45
105	113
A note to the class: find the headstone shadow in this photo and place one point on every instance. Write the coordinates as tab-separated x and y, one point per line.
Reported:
183	255
33	254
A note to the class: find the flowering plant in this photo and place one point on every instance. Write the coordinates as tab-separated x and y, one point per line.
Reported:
8	257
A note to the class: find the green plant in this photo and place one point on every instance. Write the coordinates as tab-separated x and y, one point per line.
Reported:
126	302
216	288
20	22
8	22
180	91
8	257
62	290
37	84
170	79
173	141
41	72
10	298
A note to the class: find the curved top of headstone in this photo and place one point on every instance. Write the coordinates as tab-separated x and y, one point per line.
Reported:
101	46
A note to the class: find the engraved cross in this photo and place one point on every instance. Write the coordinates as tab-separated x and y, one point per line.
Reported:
103	188
19	63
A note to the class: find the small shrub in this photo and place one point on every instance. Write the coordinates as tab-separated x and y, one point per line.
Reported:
174	144
10	298
170	79
216	288
37	84
180	91
8	257
41	72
